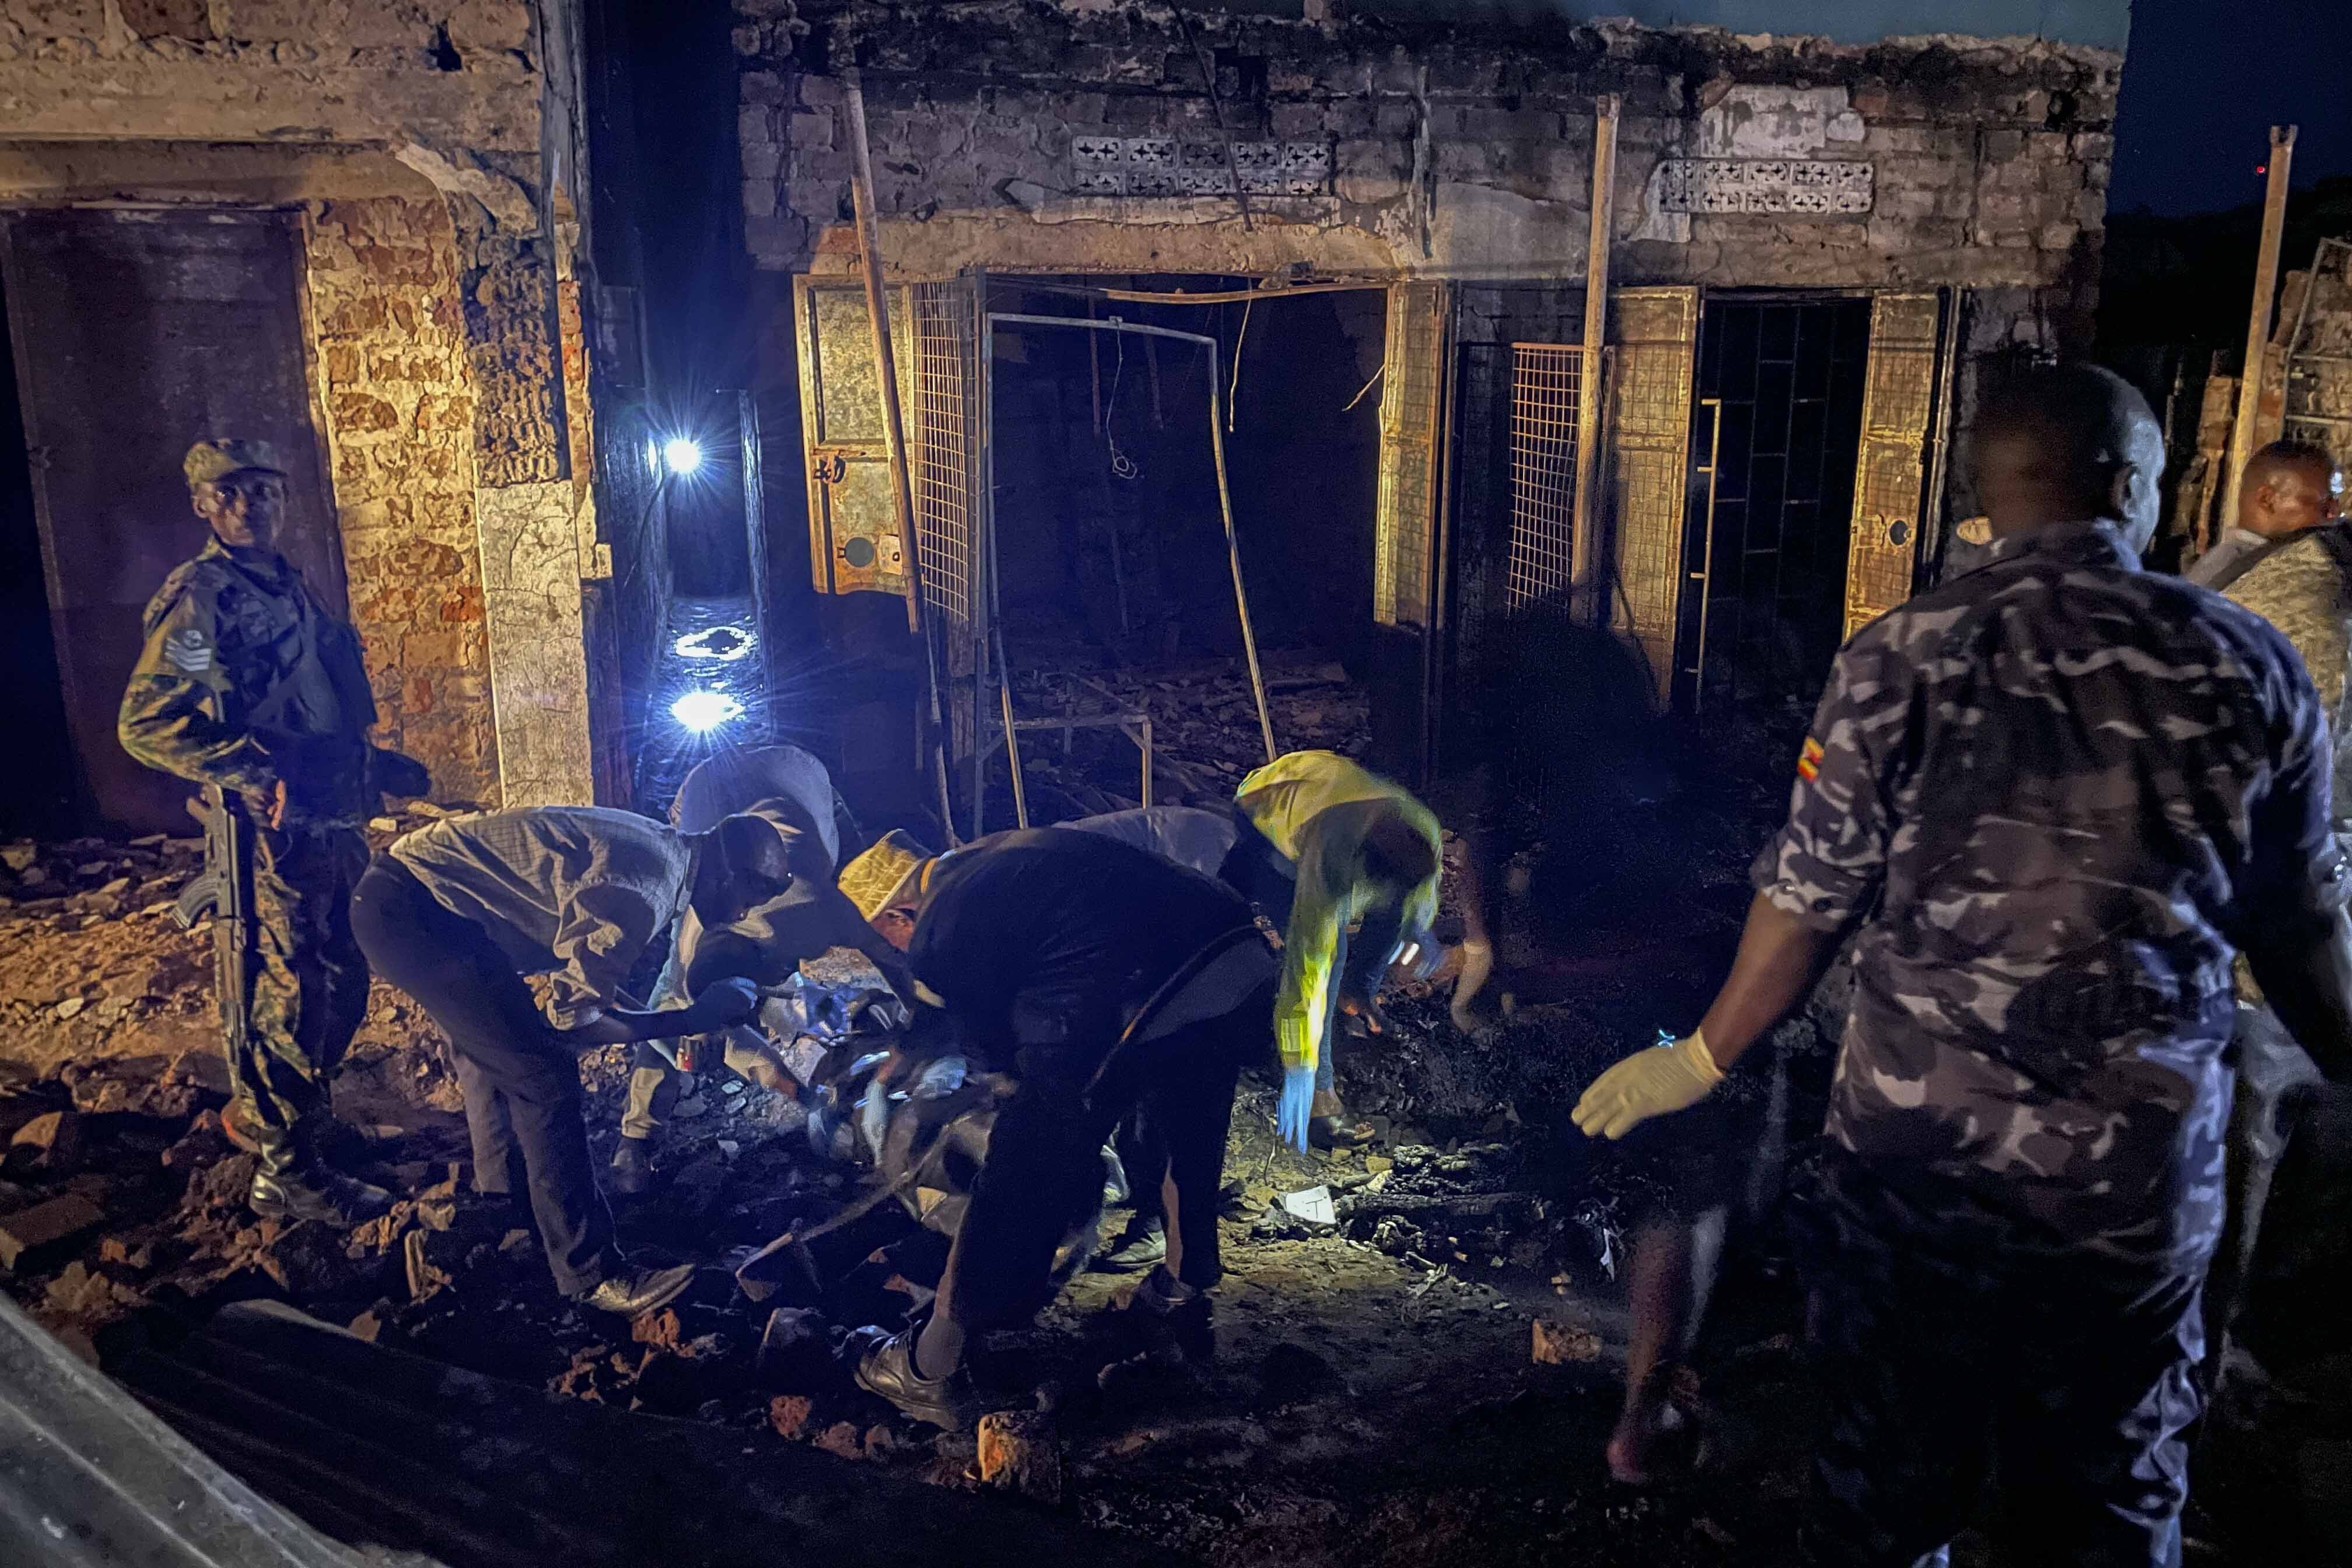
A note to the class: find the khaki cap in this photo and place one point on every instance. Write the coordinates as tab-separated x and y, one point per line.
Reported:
880	877
209	462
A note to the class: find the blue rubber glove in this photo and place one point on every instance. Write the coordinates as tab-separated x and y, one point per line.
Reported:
1298	1102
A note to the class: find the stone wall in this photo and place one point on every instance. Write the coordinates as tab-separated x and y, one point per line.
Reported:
1081	136
400	409
417	134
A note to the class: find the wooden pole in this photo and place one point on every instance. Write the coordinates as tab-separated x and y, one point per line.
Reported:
894	425
1584	545
2258	319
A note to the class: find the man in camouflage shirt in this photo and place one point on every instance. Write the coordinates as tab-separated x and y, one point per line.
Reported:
2052	797
249	685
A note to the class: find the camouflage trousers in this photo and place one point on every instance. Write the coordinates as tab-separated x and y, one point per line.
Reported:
1948	1355
307	981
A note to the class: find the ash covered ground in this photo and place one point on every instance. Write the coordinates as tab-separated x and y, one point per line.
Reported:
1372	1397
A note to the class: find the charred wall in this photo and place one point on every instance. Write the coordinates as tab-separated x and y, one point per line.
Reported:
1006	134
432	146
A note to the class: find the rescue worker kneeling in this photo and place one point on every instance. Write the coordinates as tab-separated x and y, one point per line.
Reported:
1104	979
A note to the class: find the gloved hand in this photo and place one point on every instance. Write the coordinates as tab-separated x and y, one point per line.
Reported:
1298	1102
1648	1083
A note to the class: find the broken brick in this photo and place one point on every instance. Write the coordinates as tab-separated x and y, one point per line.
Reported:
842	1438
661	1329
28	1230
1563	1344
1018	1453
789	1415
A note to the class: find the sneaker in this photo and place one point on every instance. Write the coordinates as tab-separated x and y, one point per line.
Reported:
1142	1245
632	1168
886	1369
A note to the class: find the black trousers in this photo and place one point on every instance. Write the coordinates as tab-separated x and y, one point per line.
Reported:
1941	1353
1045	1159
522	1082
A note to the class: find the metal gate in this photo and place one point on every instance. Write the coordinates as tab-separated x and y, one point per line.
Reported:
1547	385
136	334
942	459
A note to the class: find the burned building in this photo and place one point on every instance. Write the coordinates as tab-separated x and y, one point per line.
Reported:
1817	246
357	231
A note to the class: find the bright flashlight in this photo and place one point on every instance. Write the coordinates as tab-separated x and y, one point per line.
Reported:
705	711
683	454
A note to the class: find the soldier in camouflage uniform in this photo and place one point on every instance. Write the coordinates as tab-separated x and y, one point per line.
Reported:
248	684
2050	798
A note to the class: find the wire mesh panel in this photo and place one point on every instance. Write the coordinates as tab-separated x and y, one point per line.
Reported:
1649	419
1404	536
942	460
1891	476
1546	380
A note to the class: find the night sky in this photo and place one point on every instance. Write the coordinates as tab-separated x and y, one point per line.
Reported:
2203	83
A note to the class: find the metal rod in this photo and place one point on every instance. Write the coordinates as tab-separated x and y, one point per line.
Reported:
894	427
1012	730
1584	543
983	546
2257	316
1224	492
1218	296
1706	574
1216	103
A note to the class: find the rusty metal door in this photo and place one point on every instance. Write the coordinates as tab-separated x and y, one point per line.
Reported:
136	334
1653	351
1891	504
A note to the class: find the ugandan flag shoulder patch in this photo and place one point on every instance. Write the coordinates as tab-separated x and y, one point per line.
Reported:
1809	761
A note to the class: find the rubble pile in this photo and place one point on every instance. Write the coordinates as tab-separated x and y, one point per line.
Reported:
1205	726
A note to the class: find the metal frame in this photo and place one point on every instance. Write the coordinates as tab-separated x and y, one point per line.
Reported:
1010	726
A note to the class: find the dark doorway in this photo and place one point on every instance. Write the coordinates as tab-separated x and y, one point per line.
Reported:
136	334
37	796
1780	394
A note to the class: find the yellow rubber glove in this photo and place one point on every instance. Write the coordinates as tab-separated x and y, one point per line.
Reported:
1648	1083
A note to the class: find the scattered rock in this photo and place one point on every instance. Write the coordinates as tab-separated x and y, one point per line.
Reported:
32	1229
71	1005
310	1259
842	1438
368	1325
1376	1164
383	825
661	1329
789	1415
1563	1344
50	1143
84	1293
1019	1453
118	1250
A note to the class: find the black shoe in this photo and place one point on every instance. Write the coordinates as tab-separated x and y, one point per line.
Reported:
315	1190
886	1368
633	1167
1142	1246
634	1291
1178	1312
